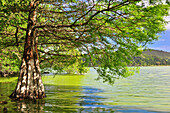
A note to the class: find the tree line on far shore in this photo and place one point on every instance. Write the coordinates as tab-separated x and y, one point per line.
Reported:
151	58
147	58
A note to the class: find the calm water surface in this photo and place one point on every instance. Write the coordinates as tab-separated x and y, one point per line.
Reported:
146	92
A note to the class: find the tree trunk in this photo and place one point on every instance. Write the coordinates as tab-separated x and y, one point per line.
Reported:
29	82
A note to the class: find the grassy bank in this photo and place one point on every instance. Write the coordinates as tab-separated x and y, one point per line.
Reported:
8	79
52	80
63	80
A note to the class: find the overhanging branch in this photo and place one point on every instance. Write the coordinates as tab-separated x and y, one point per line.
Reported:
85	23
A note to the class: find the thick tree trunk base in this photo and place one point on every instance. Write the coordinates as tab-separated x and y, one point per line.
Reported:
29	84
16	96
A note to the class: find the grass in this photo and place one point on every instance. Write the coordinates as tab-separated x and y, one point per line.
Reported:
75	80
8	79
52	80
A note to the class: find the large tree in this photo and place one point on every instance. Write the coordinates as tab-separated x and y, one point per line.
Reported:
107	33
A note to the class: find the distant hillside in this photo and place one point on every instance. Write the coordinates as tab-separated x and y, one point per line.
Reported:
158	53
152	57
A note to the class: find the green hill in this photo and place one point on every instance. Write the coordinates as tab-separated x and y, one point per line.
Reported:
158	53
152	57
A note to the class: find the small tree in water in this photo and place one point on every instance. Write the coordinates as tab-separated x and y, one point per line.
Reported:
106	33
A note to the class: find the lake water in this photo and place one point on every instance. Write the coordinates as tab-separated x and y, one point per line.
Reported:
146	92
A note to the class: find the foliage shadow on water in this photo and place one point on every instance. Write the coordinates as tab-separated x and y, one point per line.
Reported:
66	98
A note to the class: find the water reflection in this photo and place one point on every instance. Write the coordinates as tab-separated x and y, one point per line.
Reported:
30	106
79	99
89	99
61	98
147	93
67	99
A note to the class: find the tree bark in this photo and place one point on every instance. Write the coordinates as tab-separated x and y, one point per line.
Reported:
29	82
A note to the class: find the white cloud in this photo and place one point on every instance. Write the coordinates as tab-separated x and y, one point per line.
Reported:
167	19
164	48
168	27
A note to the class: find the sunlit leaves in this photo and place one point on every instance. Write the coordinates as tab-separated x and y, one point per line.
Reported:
103	33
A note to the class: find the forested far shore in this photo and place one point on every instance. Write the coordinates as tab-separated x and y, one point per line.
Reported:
151	57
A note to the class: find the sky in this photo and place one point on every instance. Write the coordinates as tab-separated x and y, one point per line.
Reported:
164	41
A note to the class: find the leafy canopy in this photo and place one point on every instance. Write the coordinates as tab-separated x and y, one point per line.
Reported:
106	33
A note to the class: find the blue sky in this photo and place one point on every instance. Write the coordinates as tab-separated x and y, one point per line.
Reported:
164	41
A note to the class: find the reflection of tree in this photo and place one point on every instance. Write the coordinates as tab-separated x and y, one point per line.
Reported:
93	103
74	99
26	106
95	110
62	98
30	106
67	99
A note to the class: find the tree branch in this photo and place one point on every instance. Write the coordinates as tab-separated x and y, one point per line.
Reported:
82	24
17	44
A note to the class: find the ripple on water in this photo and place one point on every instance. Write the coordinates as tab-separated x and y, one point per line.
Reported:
147	92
